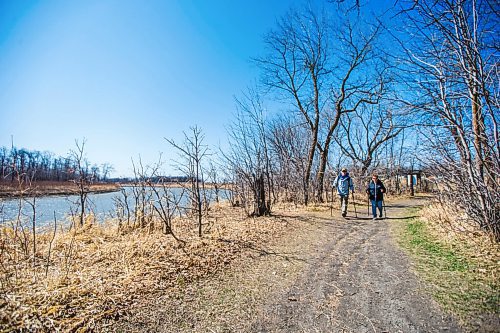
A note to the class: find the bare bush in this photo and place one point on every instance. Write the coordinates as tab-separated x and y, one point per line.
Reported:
192	153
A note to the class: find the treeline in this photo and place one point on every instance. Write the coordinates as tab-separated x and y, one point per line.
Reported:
33	165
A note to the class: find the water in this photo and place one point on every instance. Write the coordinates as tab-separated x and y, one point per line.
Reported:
102	204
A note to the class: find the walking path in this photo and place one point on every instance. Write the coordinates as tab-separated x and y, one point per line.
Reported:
325	275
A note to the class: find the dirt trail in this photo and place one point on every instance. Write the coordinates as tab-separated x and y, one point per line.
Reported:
359	282
332	275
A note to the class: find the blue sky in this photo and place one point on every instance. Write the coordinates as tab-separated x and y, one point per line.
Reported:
125	74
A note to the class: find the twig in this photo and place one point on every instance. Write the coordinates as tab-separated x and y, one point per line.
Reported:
50	246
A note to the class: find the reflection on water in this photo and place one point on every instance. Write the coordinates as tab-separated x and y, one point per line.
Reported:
102	204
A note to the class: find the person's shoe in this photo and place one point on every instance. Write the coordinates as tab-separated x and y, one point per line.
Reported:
374	218
381	216
344	214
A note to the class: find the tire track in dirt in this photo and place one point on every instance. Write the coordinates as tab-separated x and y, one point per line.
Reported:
359	282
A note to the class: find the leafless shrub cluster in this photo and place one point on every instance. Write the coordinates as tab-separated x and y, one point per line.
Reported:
453	64
192	155
249	156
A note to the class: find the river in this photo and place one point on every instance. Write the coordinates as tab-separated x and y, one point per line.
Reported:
102	204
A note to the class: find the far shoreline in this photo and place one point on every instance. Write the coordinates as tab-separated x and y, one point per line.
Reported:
45	189
10	190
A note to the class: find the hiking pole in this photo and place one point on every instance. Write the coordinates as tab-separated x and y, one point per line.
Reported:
385	210
354	203
331	205
368	198
368	205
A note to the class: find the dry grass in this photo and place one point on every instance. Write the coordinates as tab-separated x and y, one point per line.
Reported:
453	229
99	271
13	189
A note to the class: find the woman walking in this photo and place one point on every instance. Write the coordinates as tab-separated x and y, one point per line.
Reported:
375	191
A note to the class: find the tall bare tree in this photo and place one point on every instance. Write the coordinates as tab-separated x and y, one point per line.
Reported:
289	146
324	67
296	66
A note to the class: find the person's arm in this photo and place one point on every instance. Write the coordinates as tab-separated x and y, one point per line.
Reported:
351	183
382	187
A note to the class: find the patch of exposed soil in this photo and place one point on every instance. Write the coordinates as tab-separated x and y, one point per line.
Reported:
324	274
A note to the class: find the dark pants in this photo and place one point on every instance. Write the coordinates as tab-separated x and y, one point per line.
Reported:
344	200
375	205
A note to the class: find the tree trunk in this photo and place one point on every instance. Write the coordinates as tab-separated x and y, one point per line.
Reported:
477	125
321	175
260	208
310	159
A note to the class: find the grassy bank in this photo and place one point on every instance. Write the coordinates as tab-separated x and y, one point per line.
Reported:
44	188
460	267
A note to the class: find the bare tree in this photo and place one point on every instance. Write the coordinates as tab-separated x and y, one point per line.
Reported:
106	169
143	210
166	204
249	155
213	176
289	146
192	153
296	67
122	207
82	177
325	68
453	63
363	134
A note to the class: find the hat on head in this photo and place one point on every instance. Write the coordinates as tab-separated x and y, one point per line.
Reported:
344	170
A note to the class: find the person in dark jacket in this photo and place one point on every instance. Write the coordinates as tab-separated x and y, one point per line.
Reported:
376	190
343	183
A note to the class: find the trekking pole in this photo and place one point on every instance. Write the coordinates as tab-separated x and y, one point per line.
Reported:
354	203
331	205
385	210
368	205
368	198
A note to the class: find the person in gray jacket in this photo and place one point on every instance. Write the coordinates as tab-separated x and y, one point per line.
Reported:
343	183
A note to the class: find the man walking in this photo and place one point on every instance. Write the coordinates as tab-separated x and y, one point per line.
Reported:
375	191
343	183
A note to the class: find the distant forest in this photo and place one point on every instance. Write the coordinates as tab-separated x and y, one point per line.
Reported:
33	165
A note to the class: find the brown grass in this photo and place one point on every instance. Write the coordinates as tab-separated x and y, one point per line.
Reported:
98	271
452	227
8	189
